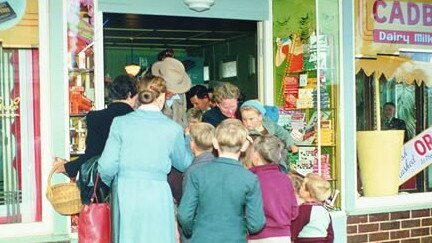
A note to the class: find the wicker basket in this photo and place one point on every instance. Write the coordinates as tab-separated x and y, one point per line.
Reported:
64	197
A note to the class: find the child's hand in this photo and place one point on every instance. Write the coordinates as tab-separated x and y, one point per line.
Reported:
187	131
294	149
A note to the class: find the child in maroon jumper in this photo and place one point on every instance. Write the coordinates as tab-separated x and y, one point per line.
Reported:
279	201
314	222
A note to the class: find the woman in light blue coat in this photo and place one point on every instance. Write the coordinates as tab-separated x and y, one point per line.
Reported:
140	150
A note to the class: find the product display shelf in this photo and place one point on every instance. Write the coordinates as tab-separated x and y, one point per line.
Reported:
309	111
81	78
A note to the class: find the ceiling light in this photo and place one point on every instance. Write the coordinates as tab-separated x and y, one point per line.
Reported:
199	5
132	68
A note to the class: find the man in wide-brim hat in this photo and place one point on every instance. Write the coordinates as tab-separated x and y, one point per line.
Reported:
178	83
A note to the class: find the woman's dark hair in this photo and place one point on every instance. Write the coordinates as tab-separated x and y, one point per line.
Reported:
200	91
165	53
122	86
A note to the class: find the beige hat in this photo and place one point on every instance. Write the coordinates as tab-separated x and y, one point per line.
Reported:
173	71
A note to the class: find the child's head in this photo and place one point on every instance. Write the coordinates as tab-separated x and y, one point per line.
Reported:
252	112
202	135
315	188
267	149
194	115
230	136
297	180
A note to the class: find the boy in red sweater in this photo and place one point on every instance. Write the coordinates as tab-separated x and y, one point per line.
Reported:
313	223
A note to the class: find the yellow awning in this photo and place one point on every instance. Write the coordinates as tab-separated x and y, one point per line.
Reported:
399	68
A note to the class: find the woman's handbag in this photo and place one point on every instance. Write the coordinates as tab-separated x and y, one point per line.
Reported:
86	182
95	221
64	197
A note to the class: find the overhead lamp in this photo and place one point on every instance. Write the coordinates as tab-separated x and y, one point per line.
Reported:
199	5
132	68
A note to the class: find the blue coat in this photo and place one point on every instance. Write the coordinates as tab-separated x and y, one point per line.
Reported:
140	150
221	203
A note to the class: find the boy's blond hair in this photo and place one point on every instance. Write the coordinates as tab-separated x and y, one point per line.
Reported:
202	135
230	135
318	188
225	91
269	148
194	114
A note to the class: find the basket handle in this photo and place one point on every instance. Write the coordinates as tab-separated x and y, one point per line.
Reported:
51	173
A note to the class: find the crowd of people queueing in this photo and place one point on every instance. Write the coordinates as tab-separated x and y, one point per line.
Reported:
216	172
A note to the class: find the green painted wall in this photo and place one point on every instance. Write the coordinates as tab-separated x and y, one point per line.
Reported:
244	51
115	58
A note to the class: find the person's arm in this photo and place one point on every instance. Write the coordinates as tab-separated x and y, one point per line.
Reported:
280	56
330	233
293	201
403	127
93	147
108	164
189	204
255	217
71	168
209	117
300	221
281	133
181	155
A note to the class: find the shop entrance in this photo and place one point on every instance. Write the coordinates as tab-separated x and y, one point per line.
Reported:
212	50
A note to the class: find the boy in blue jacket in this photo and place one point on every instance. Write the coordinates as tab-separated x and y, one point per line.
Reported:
222	200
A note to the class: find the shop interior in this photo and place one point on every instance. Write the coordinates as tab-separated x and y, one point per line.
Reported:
211	49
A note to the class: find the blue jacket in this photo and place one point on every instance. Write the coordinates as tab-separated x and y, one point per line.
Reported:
221	203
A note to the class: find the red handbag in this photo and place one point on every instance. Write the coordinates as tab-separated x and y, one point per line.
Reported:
95	221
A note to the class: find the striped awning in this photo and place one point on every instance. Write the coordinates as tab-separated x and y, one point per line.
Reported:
401	69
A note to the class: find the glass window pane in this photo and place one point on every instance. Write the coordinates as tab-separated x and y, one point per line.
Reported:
20	176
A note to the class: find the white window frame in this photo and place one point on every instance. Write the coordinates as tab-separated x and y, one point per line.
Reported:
355	204
45	227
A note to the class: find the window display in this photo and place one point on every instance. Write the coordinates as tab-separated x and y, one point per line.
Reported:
306	86
81	71
20	148
80	40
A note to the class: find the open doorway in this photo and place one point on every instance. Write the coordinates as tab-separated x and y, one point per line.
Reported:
211	49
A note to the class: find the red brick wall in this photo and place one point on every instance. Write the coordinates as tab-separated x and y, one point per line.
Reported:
402	227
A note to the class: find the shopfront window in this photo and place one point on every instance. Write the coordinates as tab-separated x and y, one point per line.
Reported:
393	97
404	83
20	149
306	81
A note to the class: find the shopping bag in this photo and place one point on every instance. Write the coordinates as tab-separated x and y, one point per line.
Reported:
95	221
86	182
